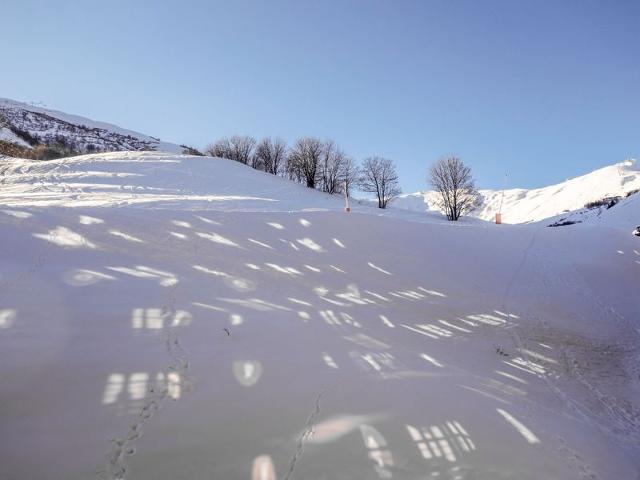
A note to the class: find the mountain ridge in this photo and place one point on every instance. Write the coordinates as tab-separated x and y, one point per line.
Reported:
29	126
521	205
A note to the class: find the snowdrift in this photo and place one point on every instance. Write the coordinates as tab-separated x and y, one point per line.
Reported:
166	316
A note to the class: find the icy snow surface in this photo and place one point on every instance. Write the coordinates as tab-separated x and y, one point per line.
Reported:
175	317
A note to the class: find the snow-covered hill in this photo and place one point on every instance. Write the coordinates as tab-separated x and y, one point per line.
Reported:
523	206
28	125
622	212
193	318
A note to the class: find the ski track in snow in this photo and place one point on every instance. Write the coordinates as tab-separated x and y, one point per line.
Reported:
619	421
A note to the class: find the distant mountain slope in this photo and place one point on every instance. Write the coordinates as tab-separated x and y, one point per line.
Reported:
522	206
621	212
29	126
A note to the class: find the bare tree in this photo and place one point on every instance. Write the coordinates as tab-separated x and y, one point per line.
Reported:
270	155
349	175
221	148
378	175
331	168
238	147
452	179
303	160
242	148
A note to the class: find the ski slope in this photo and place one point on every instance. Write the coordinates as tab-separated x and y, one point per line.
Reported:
520	205
166	316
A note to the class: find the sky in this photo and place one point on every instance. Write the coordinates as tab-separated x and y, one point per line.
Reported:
528	93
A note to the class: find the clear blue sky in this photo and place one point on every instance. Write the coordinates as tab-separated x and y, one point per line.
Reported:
543	90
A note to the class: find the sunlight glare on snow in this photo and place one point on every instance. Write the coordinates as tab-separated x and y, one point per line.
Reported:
528	435
181	236
63	237
386	321
310	244
7	316
432	292
17	214
263	468
285	270
87	220
329	361
247	373
81	278
157	319
262	244
375	267
336	427
214	237
431	360
165	279
441	441
113	388
377	449
208	220
126	236
511	376
180	223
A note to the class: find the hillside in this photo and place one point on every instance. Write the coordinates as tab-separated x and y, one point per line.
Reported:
524	206
167	316
29	126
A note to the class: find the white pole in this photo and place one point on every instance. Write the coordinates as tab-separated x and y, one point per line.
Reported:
504	186
346	199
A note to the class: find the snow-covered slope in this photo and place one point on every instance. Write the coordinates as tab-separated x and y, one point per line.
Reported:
8	136
522	206
194	318
616	211
50	126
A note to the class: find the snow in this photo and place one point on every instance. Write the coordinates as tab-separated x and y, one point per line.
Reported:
9	106
8	136
166	316
522	206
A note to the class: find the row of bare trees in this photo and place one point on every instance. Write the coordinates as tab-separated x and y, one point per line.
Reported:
318	164
323	165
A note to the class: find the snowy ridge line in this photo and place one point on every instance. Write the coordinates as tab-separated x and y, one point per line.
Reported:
49	127
532	205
